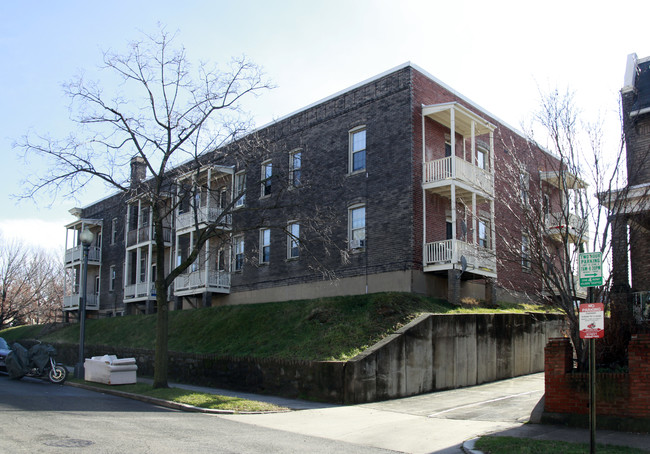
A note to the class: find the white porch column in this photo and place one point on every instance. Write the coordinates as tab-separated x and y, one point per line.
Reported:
454	254
474	220
452	122
473	142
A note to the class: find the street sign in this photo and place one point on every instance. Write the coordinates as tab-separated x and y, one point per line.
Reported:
592	321
590	265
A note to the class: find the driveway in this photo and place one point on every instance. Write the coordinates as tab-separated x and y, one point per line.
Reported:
432	423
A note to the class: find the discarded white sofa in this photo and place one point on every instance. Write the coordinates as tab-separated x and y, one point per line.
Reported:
110	370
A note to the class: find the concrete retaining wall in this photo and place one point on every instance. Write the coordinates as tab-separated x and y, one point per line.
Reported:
436	352
433	352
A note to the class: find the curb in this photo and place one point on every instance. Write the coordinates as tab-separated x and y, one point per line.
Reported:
468	446
167	403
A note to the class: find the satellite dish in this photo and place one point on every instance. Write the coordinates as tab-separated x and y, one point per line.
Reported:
463	263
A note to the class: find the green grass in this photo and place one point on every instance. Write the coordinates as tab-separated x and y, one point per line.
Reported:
197	399
511	445
322	329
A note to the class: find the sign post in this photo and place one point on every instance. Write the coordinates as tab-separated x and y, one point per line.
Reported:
592	327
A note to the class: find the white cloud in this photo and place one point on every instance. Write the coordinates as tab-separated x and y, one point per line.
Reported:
49	235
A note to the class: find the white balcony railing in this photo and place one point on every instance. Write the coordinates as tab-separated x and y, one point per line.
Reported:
204	215
143	234
75	254
571	225
71	302
451	251
455	168
641	306
197	280
139	290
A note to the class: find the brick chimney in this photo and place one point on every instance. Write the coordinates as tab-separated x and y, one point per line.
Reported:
138	171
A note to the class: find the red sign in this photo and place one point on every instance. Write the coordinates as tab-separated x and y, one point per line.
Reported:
592	321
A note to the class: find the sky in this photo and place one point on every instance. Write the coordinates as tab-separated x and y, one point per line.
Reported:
499	54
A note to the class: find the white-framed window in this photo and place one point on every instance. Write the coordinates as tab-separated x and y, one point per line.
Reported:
96	289
239	253
112	278
295	168
357	226
240	189
265	245
483	233
524	184
143	268
221	260
293	240
525	252
481	158
113	230
357	149
267	175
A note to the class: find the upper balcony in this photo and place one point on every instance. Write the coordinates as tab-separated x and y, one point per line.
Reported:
74	255
457	254
74	249
567	225
438	175
204	215
144	234
466	165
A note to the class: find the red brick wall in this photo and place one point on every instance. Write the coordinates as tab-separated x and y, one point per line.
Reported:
617	394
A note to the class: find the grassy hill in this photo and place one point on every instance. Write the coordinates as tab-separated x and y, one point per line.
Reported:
321	329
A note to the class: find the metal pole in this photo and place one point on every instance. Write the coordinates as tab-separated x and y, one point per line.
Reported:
79	370
592	396
592	385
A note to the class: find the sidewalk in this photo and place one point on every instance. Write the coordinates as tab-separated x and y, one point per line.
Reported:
432	423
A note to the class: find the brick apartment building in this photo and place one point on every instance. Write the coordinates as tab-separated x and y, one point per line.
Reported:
630	206
411	179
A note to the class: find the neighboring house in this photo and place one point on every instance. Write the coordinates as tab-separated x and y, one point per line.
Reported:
630	206
412	176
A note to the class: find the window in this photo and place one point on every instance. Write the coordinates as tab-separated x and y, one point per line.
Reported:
143	268
113	230
525	252
239	253
112	278
293	240
483	234
221	260
357	150
449	230
295	167
447	148
240	189
96	290
524	183
265	245
480	158
267	173
357	227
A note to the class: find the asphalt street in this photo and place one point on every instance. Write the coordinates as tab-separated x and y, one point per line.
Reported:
37	416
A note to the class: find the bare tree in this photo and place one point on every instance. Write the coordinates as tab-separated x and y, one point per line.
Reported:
555	209
168	119
30	284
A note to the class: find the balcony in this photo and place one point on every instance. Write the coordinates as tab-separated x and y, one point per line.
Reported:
71	302
447	255
75	255
561	225
139	291
204	215
200	281
144	235
438	176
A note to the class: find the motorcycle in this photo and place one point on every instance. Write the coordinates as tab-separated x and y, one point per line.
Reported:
38	362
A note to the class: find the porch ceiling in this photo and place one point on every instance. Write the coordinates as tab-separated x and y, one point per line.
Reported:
463	118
